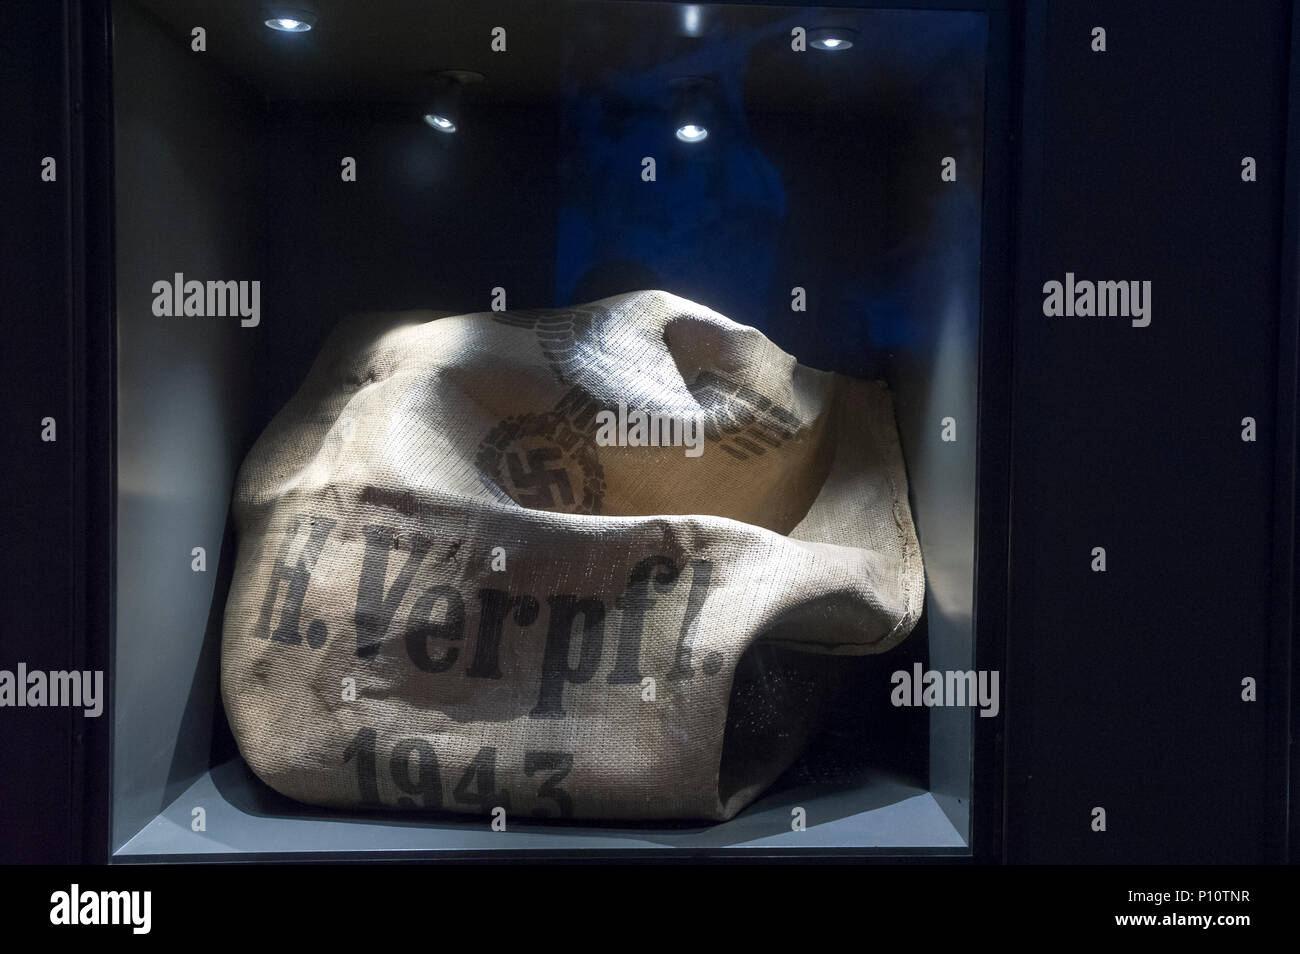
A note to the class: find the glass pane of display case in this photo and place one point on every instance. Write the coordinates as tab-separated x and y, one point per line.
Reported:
546	427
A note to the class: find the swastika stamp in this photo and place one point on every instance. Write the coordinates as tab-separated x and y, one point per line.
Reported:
542	462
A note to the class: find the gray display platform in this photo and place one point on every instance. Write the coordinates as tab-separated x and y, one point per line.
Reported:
240	816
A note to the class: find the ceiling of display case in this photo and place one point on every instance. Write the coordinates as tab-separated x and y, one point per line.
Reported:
387	50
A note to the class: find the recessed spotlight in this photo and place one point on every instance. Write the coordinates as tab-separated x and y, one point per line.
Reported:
832	39
442	109
289	21
695	107
691	19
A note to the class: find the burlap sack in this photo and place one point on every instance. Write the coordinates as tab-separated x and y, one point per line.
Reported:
449	594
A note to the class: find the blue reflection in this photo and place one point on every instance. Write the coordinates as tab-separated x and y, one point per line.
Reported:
839	195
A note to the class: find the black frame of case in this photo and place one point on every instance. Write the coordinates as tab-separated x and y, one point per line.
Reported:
1012	90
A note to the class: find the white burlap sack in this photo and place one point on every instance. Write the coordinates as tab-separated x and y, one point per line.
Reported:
450	595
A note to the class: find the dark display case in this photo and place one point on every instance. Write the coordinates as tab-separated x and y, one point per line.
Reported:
1103	498
838	205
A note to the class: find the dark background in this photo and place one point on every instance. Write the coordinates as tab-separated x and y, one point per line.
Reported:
39	596
1123	688
1127	683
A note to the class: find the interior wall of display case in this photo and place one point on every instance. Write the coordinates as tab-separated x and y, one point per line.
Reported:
823	173
432	221
189	199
